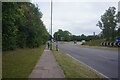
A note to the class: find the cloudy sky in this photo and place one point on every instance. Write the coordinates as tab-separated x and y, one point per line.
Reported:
78	17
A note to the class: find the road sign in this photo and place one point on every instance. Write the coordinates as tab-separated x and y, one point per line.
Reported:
117	39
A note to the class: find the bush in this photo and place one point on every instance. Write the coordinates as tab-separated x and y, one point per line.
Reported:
22	26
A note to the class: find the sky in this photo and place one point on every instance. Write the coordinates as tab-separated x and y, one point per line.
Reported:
78	17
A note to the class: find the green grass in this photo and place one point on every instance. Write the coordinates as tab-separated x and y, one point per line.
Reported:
94	42
20	63
72	68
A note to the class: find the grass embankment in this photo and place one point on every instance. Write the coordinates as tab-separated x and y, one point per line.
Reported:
72	68
94	42
20	63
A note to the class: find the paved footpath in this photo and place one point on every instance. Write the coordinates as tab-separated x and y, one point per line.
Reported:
47	67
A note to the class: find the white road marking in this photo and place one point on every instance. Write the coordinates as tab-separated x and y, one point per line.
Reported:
89	67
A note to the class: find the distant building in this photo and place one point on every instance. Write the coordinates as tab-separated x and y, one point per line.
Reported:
93	33
83	41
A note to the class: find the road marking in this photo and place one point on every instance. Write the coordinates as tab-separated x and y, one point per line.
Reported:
89	67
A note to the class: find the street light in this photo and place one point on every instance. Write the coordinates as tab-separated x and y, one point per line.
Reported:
51	26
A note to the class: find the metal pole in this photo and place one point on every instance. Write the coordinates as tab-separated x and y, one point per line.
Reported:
51	26
119	36
119	14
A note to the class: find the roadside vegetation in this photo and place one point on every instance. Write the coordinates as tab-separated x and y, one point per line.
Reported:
94	42
72	68
22	26
23	37
20	62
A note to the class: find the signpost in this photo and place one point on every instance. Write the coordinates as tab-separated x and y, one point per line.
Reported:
117	39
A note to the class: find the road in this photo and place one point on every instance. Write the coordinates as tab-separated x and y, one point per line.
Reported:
104	61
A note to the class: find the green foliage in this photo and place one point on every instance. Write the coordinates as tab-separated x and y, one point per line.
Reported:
84	37
9	28
118	20
22	26
108	23
62	35
94	42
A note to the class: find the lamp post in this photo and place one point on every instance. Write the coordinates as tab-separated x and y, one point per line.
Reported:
51	26
119	14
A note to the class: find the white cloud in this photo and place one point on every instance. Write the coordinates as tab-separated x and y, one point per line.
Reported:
76	17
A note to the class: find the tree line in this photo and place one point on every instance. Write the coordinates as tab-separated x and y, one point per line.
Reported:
22	26
61	35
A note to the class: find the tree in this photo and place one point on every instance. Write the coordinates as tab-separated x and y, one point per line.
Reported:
61	35
66	35
22	26
83	37
118	27
9	29
108	23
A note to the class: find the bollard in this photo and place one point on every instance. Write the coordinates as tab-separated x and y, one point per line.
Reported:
118	44
107	43
104	43
101	43
111	44
115	44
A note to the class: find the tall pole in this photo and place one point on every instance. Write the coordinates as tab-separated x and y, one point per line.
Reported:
119	35
51	26
51	17
119	13
119	19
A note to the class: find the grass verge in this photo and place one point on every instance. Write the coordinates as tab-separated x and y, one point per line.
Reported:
72	68
20	63
96	44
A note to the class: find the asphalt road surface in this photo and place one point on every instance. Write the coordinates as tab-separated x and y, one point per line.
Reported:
104	61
